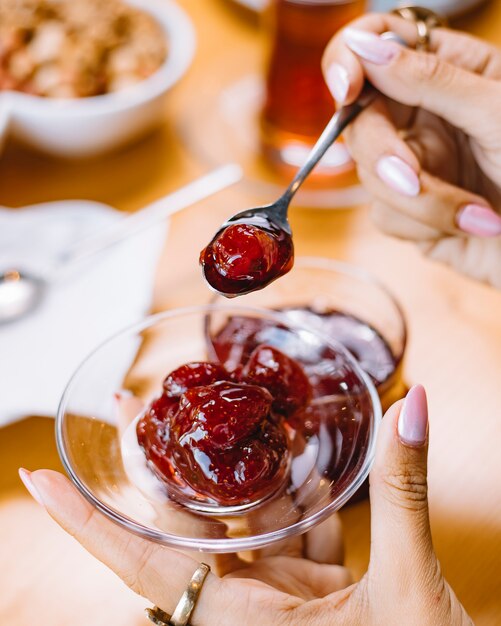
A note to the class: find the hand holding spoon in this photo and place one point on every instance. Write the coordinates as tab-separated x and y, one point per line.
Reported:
254	247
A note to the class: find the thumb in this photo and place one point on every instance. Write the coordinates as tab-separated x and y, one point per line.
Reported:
400	527
425	80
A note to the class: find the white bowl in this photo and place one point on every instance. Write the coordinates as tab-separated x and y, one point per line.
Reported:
88	126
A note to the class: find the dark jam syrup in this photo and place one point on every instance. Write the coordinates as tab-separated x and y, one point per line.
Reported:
363	341
246	256
238	338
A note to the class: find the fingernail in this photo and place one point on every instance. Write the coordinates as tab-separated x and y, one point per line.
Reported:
479	220
370	47
413	419
398	175
25	476
338	82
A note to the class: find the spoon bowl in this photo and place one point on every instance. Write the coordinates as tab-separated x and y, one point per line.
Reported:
275	213
250	250
20	293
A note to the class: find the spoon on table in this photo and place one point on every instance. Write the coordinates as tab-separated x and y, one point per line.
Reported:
22	291
254	247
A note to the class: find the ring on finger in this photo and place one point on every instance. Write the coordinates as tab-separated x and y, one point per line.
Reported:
186	604
425	21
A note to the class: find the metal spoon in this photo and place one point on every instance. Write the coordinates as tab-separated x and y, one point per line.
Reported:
22	291
277	212
275	215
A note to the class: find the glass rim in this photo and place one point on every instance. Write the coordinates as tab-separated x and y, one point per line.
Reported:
360	273
228	544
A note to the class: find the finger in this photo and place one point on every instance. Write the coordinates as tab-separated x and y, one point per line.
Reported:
478	258
373	138
375	135
274	514
293	546
343	71
151	570
400	528
439	148
439	205
461	49
451	92
389	169
396	224
127	408
298	577
324	543
466	51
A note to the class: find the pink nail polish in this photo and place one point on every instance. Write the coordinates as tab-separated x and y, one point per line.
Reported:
413	418
338	82
370	47
25	476
398	175
479	220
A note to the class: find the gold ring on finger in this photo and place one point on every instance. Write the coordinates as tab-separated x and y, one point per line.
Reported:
425	21
185	606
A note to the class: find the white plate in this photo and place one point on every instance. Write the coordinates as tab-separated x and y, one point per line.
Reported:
88	126
39	352
444	7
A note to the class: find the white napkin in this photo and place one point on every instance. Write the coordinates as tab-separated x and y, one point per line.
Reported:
39	353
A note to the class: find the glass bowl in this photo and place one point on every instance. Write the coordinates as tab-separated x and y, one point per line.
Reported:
320	285
330	453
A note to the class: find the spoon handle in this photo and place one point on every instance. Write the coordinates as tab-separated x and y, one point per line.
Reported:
199	189
332	131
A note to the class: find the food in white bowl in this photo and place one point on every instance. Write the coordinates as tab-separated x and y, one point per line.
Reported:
77	48
77	91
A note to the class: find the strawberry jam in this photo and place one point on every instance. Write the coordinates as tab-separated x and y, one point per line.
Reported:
225	441
273	411
246	256
334	387
283	377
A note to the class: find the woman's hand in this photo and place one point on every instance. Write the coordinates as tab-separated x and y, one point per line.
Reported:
403	584
429	149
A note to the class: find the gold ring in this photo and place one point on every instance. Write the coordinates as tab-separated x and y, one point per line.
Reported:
425	20
185	606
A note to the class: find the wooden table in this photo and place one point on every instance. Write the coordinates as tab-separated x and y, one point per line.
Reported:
455	350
